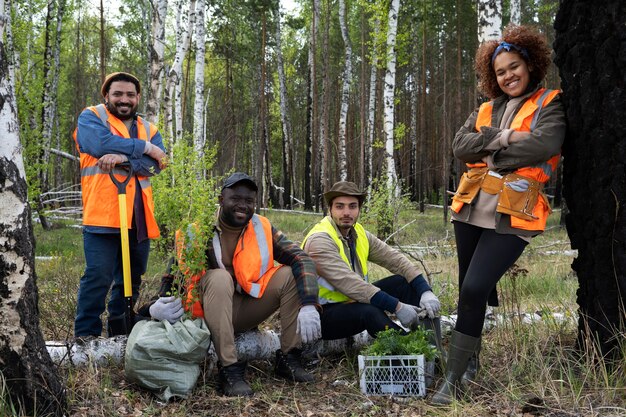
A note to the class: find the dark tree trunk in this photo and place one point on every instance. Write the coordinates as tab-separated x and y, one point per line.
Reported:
591	54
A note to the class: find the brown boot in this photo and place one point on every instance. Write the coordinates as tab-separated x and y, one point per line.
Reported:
461	348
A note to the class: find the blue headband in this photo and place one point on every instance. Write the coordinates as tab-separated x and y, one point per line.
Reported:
508	46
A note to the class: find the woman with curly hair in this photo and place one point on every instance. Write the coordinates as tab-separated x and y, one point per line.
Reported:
511	146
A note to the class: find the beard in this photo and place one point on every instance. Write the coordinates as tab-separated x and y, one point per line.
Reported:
122	111
232	220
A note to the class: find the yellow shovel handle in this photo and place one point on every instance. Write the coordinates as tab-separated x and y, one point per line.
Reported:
128	288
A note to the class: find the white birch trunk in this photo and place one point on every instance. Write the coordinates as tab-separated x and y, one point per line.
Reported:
516	12
345	93
324	118
489	20
388	96
284	116
371	119
198	114
251	345
184	26
168	106
30	381
157	47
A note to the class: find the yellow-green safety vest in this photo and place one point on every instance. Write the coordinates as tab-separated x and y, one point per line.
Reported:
327	293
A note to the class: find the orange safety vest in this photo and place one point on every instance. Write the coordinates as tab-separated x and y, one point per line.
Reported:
525	121
100	203
253	261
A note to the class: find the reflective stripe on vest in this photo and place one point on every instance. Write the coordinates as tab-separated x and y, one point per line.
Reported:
253	260
327	293
104	116
524	121
100	202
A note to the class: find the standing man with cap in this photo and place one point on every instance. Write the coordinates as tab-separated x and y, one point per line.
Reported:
341	248
109	134
242	287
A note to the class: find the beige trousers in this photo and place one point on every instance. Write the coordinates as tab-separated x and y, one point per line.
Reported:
227	312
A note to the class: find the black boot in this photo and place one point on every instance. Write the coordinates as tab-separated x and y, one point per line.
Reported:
461	348
288	365
232	380
473	365
116	326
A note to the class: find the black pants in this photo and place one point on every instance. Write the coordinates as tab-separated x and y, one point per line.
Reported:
484	256
341	320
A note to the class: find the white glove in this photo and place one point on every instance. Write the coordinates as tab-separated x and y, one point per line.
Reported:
309	325
167	308
430	303
407	314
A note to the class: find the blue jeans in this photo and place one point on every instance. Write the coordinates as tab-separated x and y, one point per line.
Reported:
103	256
341	320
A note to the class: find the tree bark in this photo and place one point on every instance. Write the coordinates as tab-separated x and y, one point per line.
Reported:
489	20
389	97
345	93
157	47
198	108
288	172
516	11
594	176
33	384
371	120
312	119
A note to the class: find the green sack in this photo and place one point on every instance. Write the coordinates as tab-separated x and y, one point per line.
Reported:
166	358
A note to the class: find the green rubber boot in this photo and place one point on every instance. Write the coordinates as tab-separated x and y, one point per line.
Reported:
461	348
473	365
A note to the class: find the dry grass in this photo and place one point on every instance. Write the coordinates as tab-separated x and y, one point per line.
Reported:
528	370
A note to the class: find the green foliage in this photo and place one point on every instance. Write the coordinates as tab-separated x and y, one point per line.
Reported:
393	342
185	199
382	209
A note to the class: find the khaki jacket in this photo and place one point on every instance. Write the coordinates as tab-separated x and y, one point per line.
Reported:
332	267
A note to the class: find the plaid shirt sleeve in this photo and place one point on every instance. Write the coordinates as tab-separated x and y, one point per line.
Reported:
288	253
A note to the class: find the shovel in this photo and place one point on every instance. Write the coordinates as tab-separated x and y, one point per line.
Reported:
121	199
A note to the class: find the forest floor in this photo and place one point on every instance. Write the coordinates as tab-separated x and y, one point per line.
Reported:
527	369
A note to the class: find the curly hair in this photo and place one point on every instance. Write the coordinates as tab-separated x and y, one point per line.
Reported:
523	36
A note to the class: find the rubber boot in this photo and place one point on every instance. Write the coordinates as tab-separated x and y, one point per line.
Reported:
116	326
473	365
461	348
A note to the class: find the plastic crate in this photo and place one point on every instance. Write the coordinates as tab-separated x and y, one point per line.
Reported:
400	376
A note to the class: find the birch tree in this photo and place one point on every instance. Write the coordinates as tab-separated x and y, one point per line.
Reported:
33	385
516	11
388	96
345	93
371	119
489	20
157	47
312	108
198	108
288	172
322	151
184	26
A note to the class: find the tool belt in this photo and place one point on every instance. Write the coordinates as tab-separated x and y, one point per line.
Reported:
511	200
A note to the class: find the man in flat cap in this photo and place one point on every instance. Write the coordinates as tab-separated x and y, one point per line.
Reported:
341	248
107	135
242	287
